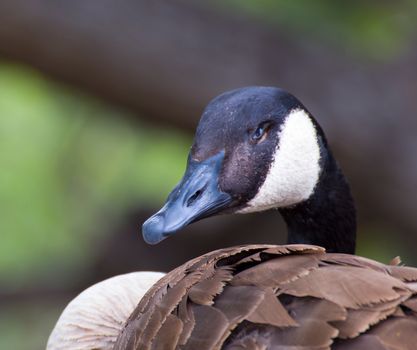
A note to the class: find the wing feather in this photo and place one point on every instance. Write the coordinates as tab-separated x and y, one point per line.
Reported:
293	297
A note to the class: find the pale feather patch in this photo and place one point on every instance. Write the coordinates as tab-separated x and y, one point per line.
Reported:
94	319
295	168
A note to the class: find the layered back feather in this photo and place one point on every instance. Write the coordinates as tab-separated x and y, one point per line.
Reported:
293	297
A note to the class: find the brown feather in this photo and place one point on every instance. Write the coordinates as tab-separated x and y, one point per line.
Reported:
172	329
203	292
348	286
358	321
187	316
364	342
397	333
271	312
411	304
395	261
238	302
274	272
404	273
209	328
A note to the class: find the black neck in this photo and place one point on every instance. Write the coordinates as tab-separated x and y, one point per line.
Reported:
328	217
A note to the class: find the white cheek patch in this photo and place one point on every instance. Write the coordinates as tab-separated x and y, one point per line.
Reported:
295	168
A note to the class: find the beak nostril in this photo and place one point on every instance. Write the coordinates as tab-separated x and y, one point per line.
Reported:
194	197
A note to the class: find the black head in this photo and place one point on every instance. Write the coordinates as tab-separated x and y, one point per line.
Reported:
255	148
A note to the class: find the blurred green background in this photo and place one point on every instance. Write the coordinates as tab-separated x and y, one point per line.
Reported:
66	175
80	169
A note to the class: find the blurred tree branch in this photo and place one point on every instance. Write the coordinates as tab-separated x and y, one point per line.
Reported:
166	59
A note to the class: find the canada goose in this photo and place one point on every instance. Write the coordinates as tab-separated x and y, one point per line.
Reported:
259	148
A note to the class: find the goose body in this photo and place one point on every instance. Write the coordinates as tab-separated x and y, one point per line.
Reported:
255	149
293	297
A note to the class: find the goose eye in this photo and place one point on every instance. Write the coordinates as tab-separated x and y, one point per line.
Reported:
259	133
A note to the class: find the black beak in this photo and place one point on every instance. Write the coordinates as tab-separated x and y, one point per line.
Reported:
197	196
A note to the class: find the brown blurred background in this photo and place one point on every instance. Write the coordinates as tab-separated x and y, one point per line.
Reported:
98	102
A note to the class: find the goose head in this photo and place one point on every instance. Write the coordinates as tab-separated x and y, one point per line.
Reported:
255	148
